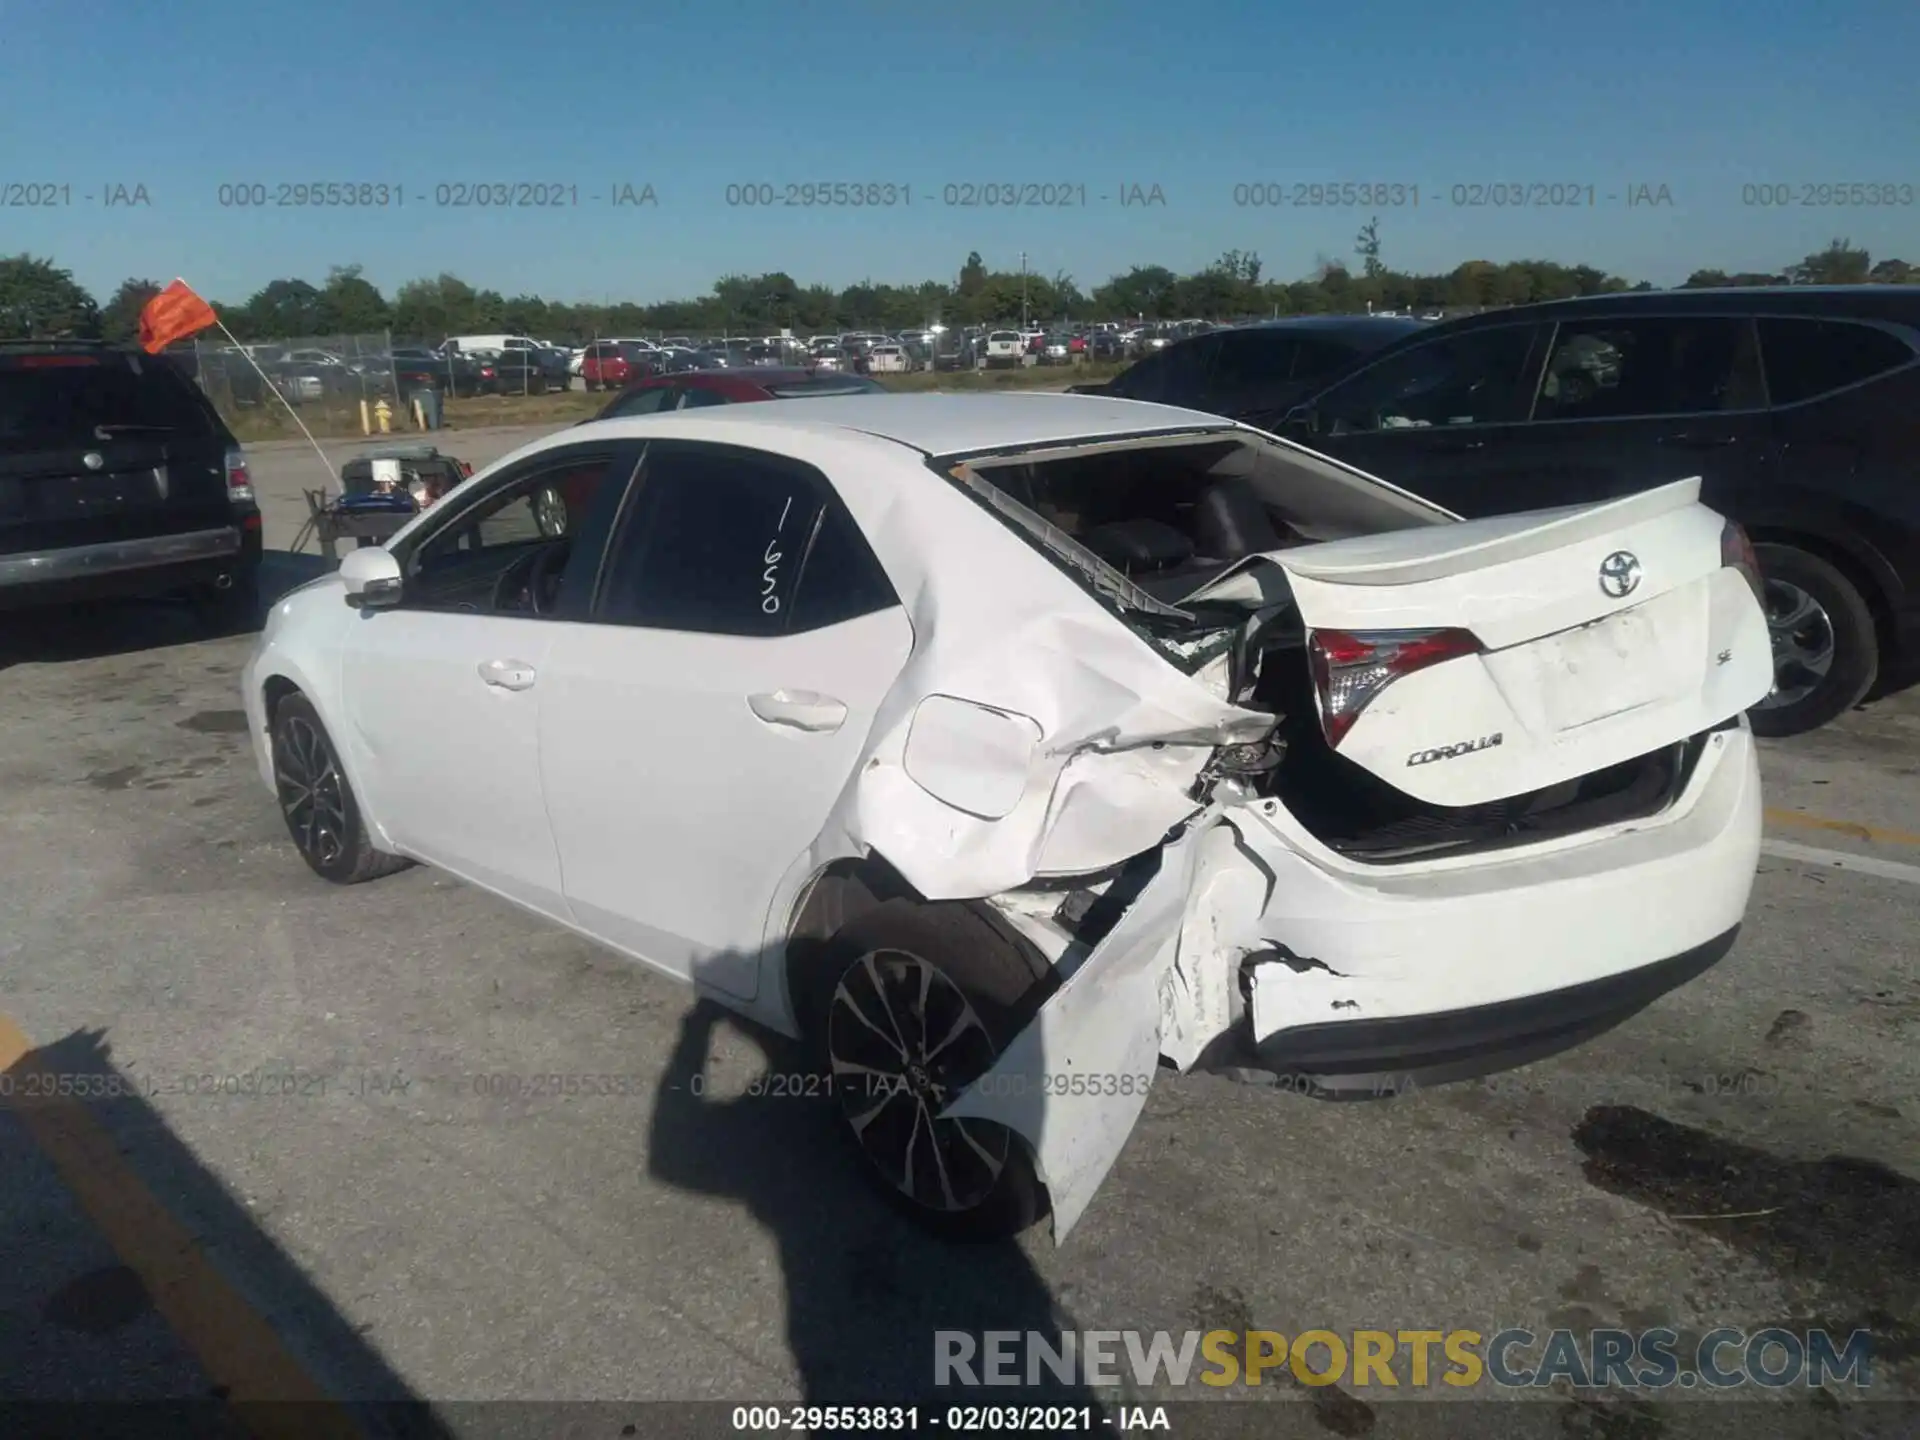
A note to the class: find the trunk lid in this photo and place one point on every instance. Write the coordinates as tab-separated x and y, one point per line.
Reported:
1604	632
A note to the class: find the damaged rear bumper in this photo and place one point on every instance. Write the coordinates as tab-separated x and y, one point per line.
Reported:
1256	947
1366	1059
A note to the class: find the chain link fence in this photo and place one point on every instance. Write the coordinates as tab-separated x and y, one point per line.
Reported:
325	378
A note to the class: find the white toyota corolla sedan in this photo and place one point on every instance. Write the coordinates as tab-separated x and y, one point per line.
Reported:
1008	748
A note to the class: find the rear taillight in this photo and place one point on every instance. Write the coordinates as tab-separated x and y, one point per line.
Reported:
1736	550
1350	667
239	478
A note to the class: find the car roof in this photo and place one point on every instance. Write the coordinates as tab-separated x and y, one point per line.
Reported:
1335	324
961	424
1866	301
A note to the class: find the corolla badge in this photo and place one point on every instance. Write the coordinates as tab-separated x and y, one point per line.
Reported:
93	460
1620	574
1455	751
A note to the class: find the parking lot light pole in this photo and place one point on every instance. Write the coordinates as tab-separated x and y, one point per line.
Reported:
1023	292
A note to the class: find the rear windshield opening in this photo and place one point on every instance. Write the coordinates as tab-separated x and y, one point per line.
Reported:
1170	517
64	404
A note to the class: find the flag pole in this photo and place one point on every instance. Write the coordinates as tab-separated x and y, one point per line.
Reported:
332	478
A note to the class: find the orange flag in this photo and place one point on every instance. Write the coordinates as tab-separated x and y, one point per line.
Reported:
174	314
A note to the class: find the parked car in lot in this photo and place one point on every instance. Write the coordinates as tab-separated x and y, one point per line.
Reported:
1152	339
416	368
1056	349
522	371
324	359
1291	770
1798	408
611	364
952	350
1255	373
888	360
493	343
689	390
118	478
300	382
1002	348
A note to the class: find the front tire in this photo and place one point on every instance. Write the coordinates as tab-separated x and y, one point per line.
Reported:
318	804
909	1005
1826	650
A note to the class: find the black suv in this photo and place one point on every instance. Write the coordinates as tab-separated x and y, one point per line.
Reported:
1798	407
1255	373
117	477
520	371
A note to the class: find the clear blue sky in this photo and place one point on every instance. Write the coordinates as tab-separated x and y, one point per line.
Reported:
1195	97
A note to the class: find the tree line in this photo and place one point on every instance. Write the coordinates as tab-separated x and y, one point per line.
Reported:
39	299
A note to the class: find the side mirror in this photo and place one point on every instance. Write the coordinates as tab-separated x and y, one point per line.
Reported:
372	578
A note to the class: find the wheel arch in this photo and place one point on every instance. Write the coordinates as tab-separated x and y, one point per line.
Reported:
1867	572
274	688
841	891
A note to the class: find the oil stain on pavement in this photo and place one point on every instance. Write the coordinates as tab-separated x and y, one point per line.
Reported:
1843	1231
99	1302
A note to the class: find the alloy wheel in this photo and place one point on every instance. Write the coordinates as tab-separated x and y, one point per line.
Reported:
312	796
904	1042
1802	636
550	512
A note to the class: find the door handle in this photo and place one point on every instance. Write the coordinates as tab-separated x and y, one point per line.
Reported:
508	674
1699	442
802	709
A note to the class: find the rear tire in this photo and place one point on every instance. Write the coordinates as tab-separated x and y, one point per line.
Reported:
955	989
318	804
1816	617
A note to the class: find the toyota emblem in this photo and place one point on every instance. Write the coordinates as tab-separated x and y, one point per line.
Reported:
92	460
1620	574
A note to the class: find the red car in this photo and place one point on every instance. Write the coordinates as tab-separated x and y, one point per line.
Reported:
733	387
610	364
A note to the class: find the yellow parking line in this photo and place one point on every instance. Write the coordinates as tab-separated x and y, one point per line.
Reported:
234	1343
1795	820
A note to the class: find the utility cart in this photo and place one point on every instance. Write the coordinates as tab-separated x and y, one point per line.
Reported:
379	492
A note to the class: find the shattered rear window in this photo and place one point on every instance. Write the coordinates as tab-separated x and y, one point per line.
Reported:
1184	638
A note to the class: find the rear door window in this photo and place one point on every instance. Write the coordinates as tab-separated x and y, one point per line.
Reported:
55	400
1614	369
726	541
1808	358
